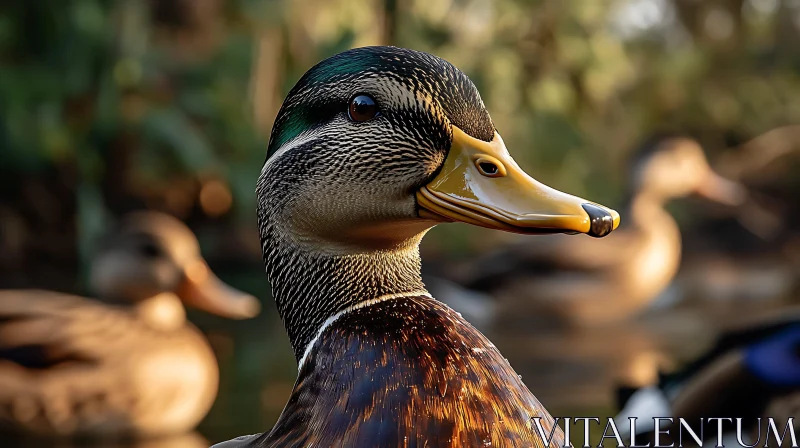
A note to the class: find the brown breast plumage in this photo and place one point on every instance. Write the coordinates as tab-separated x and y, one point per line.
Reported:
408	372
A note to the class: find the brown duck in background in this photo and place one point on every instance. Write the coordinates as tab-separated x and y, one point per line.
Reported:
752	259
594	281
129	366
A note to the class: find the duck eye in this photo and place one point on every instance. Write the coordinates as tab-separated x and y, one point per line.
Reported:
362	108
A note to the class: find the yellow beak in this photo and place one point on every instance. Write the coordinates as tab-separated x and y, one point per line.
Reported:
481	184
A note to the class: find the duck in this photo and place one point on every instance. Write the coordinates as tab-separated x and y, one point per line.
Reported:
371	148
752	371
127	365
566	281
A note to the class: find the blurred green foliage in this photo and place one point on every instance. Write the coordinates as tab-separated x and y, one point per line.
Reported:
152	100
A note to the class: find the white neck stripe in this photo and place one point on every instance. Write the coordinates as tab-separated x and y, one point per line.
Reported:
358	305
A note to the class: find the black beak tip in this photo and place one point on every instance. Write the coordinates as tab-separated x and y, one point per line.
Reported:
602	223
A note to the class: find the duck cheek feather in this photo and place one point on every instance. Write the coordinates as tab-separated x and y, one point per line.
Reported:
369	381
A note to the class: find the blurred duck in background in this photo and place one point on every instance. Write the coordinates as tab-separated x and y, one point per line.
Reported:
128	366
752	259
599	281
752	371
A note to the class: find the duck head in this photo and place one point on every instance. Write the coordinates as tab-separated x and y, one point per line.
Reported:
378	144
152	254
675	166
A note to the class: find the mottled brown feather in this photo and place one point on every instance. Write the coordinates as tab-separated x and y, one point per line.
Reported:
408	372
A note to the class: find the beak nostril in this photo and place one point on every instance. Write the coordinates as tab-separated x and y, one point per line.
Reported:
488	168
